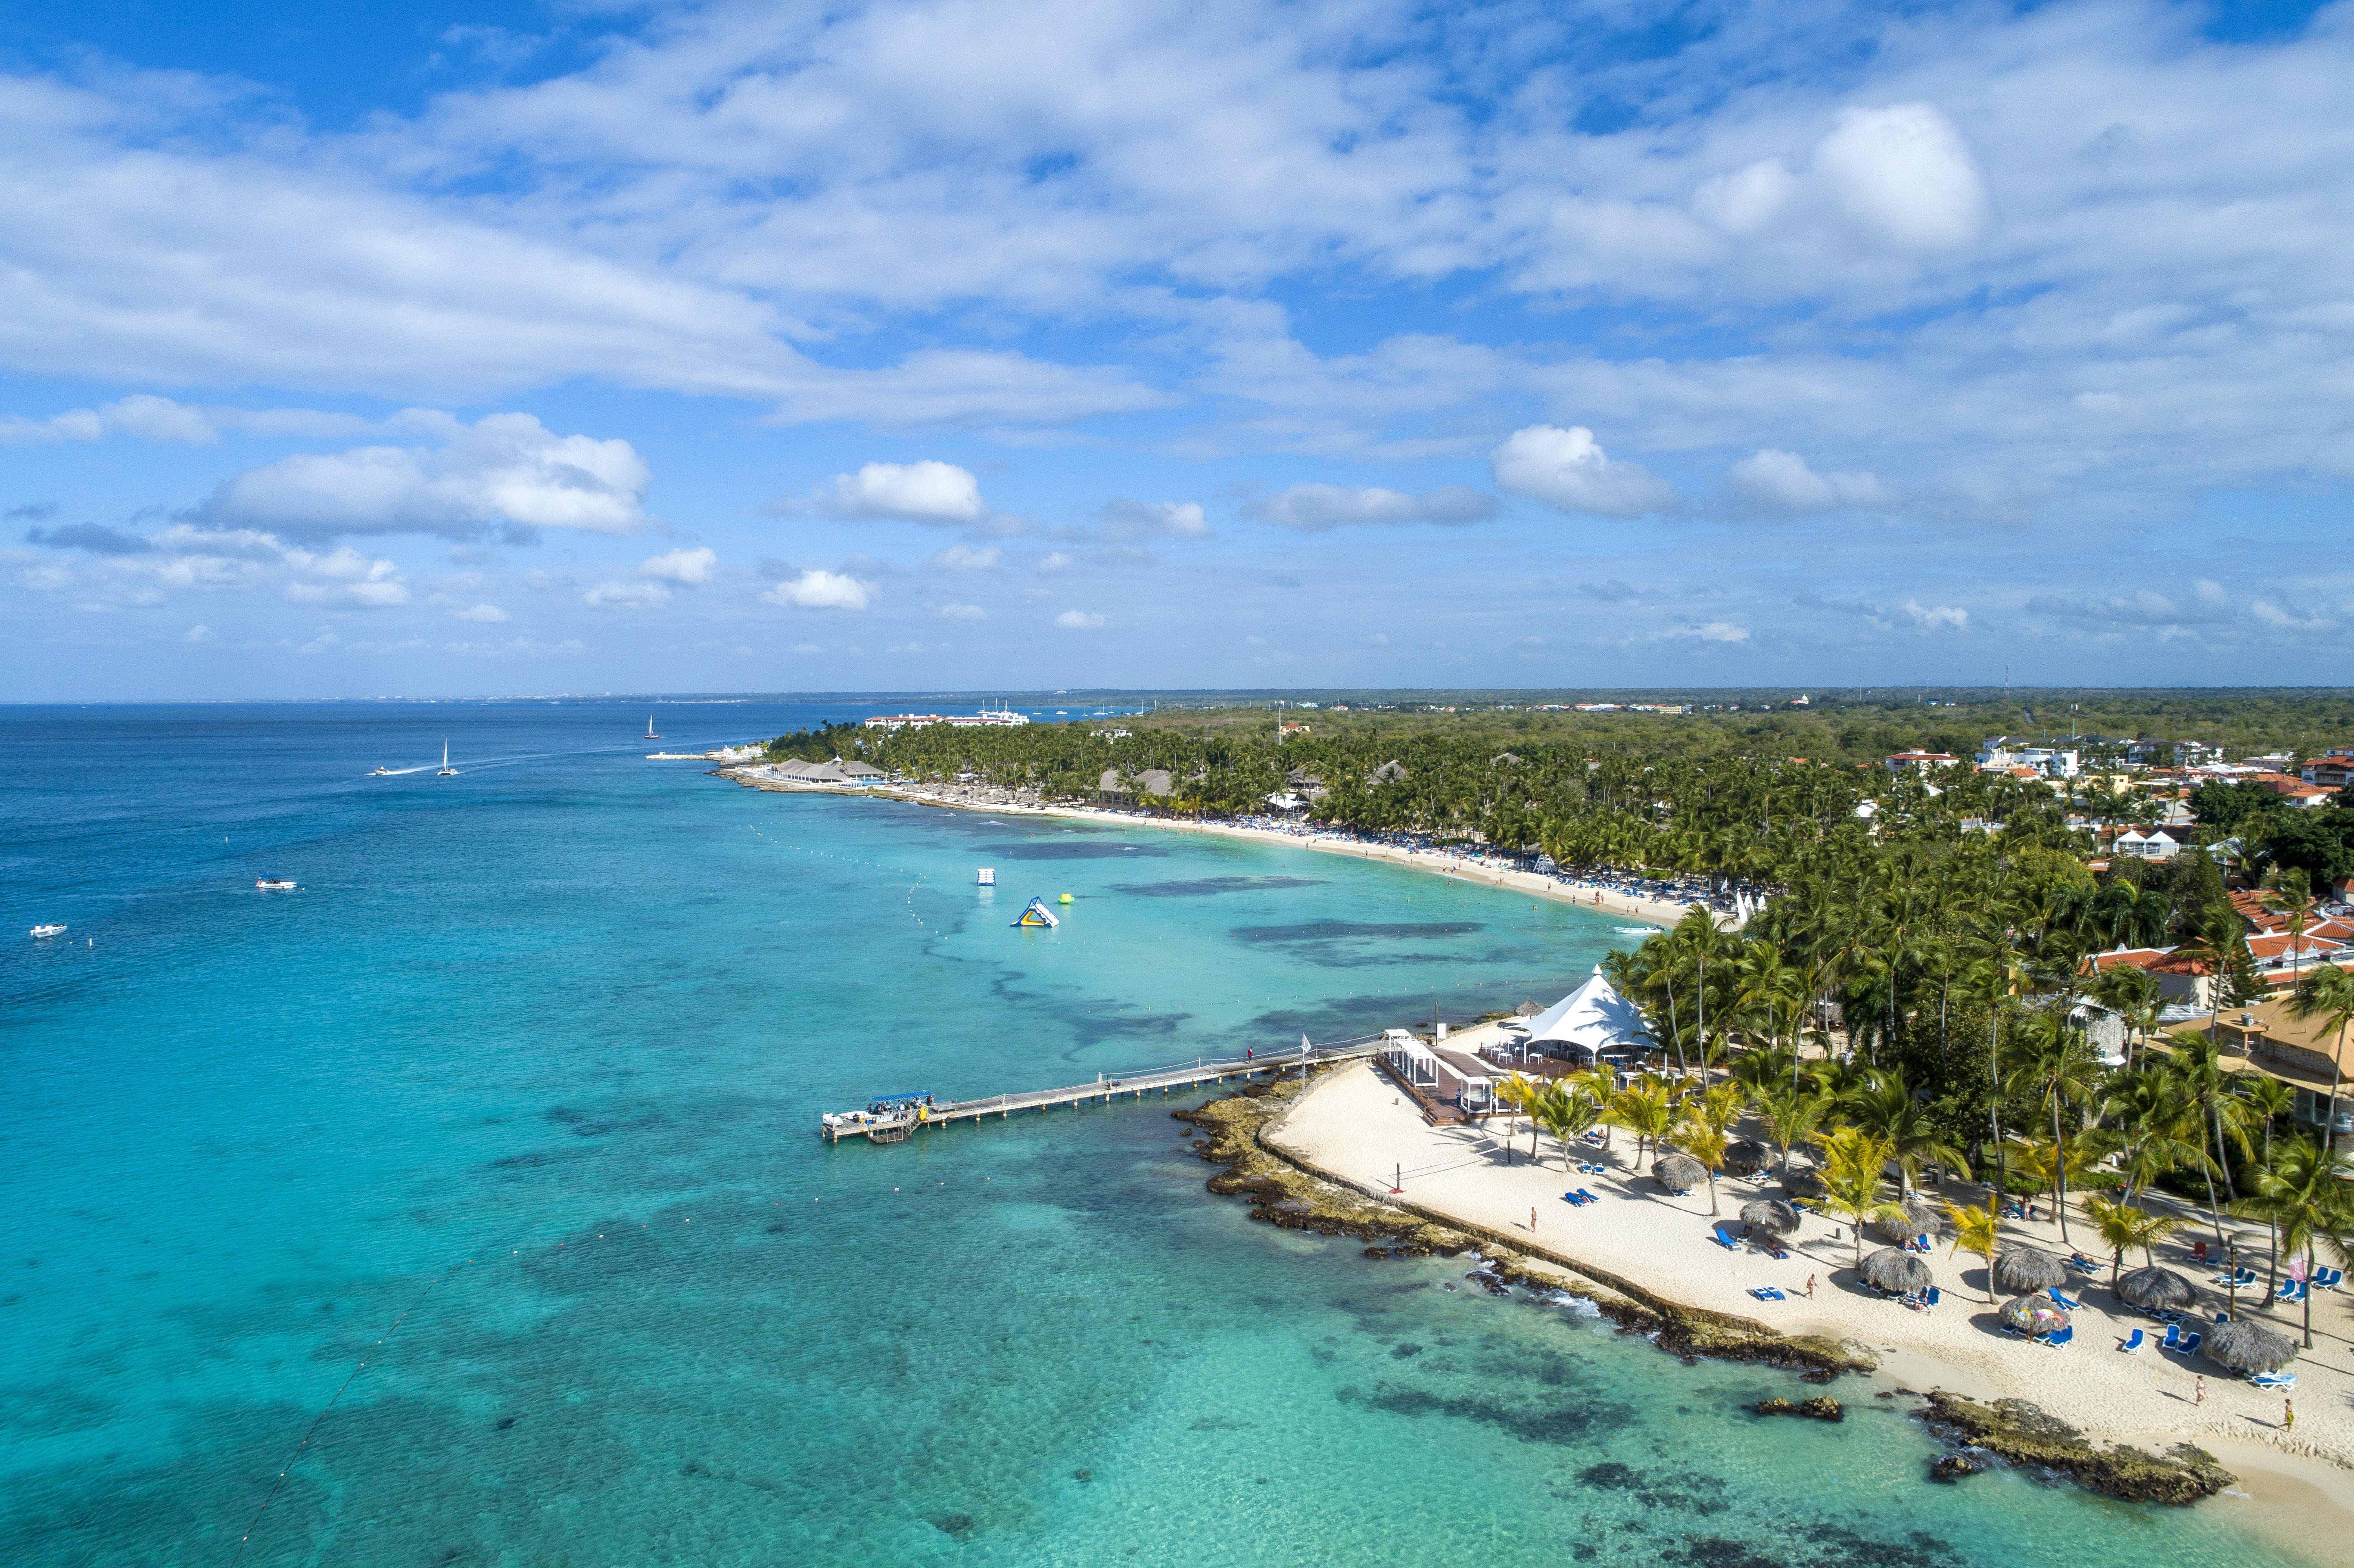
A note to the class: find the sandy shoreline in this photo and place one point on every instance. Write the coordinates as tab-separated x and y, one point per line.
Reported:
1353	1125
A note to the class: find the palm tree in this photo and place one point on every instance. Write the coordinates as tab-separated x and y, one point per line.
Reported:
1853	1161
1977	1231
2267	1099
2327	993
1522	1092
2305	1197
2060	1067
1888	1111
2156	1121
2197	1067
1704	1141
1565	1109
1647	1111
2122	1225
1792	1117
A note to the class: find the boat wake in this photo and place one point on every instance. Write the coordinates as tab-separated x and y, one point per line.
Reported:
400	772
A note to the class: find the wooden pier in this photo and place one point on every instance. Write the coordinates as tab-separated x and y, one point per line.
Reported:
895	1126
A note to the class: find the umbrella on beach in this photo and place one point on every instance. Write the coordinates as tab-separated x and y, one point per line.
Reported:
1746	1156
2246	1347
1800	1181
1678	1172
2154	1289
1528	1010
2033	1315
1896	1271
1770	1215
1921	1218
2023	1269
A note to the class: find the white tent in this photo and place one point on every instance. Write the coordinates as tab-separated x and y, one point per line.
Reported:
1594	1018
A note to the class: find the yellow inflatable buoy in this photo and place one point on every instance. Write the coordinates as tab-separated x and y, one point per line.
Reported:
1065	898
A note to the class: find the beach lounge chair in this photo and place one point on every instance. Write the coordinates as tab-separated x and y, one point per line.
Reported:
1776	1252
2274	1380
2064	1337
1934	1297
2134	1342
2062	1301
2173	1337
1723	1240
1584	1196
2328	1278
2289	1290
1768	1293
2082	1264
2190	1343
1571	1199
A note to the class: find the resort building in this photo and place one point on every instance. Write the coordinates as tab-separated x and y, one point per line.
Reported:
2180	981
1455	1079
1921	761
2299	1052
986	718
1593	1024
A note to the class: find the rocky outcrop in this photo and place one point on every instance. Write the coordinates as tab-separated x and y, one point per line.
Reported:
2022	1434
1822	1407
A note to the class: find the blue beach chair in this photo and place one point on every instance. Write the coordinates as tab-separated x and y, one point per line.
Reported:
2190	1343
1585	1197
2062	1301
2064	1337
2173	1337
2134	1342
2274	1380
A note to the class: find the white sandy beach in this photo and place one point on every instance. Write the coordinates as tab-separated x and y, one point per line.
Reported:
1356	1127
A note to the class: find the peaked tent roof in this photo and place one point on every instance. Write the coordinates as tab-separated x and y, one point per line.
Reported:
1593	1015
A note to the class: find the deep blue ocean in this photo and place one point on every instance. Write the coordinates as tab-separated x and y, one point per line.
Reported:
503	1126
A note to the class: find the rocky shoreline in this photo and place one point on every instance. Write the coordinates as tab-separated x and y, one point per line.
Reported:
1282	1191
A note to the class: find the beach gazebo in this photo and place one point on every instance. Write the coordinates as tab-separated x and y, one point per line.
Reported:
2247	1348
1590	1024
2024	1270
1897	1272
1679	1173
1771	1216
2154	1289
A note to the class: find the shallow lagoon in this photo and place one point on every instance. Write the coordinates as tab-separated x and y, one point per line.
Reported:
571	1016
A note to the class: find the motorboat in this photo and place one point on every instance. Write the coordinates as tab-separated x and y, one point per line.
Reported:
447	771
381	773
49	930
274	883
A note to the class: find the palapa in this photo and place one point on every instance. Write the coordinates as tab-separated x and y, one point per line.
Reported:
1896	1271
2154	1289
2020	1269
1770	1215
2033	1315
1746	1156
1802	1182
1921	1218
2246	1347
1678	1172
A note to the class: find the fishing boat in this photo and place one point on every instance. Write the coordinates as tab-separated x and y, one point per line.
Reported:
1035	913
447	771
49	930
649	728
274	883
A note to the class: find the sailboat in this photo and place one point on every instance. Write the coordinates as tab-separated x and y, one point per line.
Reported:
649	728
447	771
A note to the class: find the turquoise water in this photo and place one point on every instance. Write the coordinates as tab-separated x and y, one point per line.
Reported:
514	1101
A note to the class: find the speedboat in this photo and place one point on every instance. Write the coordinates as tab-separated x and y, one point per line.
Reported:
274	883
49	930
381	773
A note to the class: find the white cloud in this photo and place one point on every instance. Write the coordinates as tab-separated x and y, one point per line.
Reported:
1568	470
504	468
1079	620
487	614
1052	561
961	612
1712	631
968	558
2291	620
1902	173
1930	617
1777	480
816	588
1154	520
929	491
2208	602
346	577
152	419
692	568
626	596
198	633
1312	508
1747	200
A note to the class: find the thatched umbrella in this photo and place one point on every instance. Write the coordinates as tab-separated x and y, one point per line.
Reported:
1921	1218
1678	1172
2246	1347
2033	1315
1770	1215
1746	1156
2154	1289
1896	1271
2021	1269
1529	1008
1800	1181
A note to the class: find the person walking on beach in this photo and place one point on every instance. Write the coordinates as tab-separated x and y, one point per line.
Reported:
1533	1222
2198	1391
2289	1415
1810	1288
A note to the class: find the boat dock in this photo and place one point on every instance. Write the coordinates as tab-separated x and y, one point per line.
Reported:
903	1115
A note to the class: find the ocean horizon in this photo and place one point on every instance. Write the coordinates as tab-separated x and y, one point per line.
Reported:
465	1204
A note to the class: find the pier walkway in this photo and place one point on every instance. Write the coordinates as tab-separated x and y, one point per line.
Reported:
896	1126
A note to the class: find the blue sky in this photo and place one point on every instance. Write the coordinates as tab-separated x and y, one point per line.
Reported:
584	347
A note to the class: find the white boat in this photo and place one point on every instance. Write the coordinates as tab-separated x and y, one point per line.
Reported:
649	728
49	930
274	883
381	773
447	771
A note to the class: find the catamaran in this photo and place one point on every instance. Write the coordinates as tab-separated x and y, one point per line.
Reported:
274	883
649	728
447	771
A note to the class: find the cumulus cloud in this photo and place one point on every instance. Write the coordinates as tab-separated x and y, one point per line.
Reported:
1929	617
1313	508
968	558
505	469
486	614
344	577
1568	470
626	596
199	632
1079	620
96	537
2207	602
1903	173
1775	481
692	568
938	493
816	588
960	613
1154	520
1712	631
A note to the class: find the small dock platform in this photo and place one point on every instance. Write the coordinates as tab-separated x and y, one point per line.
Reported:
905	1115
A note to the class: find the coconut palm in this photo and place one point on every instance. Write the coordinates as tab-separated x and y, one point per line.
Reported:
1704	1141
2053	1060
2305	1197
1565	1110
2121	1225
1978	1231
1887	1110
2327	993
1792	1117
1853	1161
2267	1100
1522	1093
2157	1127
2197	1067
1645	1108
